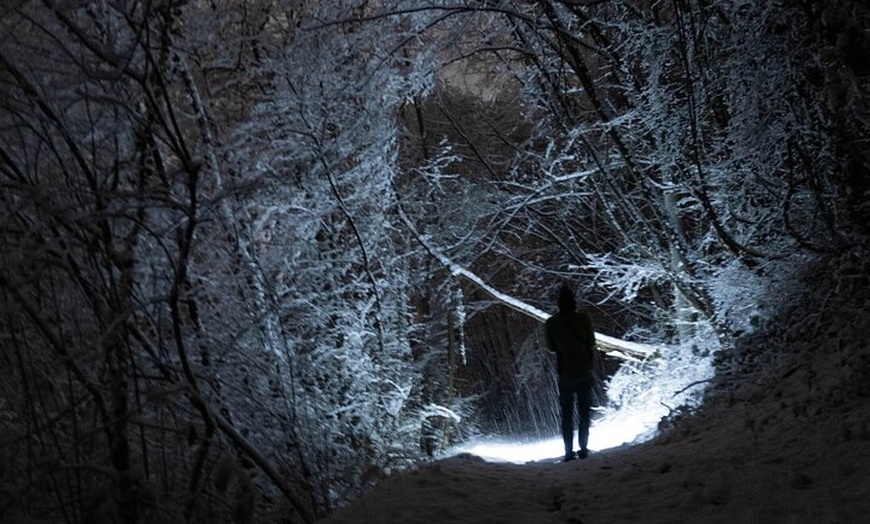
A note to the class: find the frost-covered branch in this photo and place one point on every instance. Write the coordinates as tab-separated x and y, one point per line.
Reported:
611	345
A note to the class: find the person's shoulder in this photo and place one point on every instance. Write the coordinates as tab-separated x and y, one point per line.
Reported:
582	315
554	320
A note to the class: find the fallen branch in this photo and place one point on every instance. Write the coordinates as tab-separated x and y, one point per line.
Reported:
612	346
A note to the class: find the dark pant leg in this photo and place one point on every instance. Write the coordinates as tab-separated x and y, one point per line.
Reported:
584	409
566	403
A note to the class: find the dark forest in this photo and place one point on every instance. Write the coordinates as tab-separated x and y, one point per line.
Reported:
257	256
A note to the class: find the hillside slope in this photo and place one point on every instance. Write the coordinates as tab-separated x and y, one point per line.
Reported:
783	437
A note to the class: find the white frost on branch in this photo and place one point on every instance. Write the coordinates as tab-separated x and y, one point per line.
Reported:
436	410
611	345
625	279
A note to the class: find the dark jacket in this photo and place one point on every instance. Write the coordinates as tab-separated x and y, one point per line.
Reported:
571	337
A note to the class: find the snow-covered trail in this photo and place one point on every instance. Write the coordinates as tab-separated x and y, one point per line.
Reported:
775	452
709	472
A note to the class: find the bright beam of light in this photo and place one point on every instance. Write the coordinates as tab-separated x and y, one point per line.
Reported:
516	452
614	429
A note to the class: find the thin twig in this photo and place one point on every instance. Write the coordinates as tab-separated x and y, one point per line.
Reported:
695	383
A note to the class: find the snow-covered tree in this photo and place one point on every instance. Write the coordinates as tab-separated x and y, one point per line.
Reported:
200	260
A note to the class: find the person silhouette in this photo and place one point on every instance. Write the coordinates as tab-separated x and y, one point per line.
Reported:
570	336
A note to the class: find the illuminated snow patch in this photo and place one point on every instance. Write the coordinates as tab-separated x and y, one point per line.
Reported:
642	393
608	431
517	452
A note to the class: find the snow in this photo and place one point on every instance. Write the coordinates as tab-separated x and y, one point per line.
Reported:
783	436
609	431
605	433
518	452
712	470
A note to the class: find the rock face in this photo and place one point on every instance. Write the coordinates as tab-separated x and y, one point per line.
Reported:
783	437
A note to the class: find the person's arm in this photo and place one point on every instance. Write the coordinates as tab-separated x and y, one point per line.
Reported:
589	335
548	335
